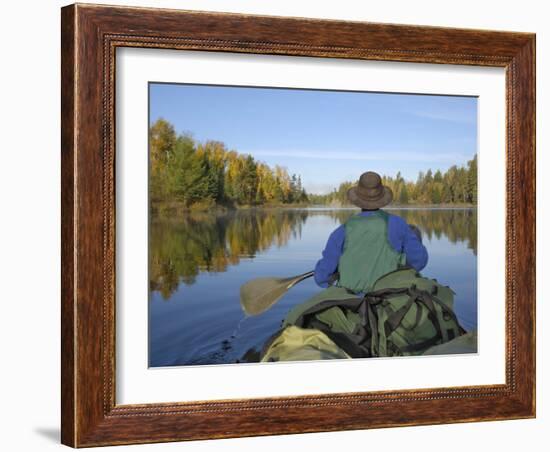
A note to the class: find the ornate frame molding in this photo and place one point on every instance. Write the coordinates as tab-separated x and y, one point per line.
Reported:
90	36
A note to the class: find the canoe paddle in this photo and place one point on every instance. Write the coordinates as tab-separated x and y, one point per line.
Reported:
259	294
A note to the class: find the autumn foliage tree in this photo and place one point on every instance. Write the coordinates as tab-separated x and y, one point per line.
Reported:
185	171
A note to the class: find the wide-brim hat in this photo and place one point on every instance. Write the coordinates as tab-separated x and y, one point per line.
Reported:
370	193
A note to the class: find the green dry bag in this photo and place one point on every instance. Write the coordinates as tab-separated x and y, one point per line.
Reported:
404	314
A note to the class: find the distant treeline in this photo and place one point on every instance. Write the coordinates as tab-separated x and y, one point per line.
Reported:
457	185
186	173
191	173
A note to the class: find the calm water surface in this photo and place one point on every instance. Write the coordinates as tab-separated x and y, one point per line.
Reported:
198	263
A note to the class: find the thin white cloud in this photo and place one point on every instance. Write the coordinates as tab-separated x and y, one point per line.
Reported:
401	156
449	116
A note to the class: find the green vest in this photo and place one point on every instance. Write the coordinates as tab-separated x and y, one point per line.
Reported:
367	253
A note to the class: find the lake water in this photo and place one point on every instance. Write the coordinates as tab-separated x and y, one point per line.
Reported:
198	263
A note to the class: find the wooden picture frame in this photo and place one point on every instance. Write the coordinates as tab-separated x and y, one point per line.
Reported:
90	35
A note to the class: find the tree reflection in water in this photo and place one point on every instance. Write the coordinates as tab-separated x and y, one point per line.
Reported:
181	248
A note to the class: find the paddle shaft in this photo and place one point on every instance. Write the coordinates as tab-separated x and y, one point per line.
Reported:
299	278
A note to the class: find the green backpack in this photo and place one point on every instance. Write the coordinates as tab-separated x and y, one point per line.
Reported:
404	314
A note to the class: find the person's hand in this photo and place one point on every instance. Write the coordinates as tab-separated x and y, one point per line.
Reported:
333	278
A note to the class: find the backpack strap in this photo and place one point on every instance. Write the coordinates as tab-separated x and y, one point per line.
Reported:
373	327
349	303
348	342
427	301
430	300
420	345
395	319
449	312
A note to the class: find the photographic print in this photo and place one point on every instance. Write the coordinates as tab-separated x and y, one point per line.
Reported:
300	224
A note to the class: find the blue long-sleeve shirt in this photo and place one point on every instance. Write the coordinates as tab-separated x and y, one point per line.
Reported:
400	235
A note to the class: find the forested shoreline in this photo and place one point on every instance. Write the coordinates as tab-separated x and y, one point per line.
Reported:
189	175
456	186
208	174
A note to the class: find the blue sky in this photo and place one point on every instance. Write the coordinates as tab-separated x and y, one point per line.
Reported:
327	137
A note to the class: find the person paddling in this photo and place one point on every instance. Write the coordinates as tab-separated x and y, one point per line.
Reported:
366	247
359	252
370	244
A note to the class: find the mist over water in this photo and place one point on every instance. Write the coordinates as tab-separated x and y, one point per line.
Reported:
198	262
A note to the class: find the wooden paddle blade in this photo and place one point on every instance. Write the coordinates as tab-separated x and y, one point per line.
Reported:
260	294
